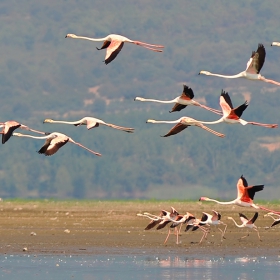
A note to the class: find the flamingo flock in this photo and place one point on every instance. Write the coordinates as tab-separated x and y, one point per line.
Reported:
113	44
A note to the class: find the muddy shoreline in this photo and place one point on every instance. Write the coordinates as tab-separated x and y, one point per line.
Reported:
112	228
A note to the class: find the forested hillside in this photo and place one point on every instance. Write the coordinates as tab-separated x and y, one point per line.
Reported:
45	75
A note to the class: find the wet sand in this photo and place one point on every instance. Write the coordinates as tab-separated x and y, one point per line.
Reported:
112	227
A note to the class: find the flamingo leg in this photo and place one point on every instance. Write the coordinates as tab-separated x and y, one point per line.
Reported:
245	235
211	109
257	233
146	44
80	145
222	234
269	81
167	236
264	124
212	131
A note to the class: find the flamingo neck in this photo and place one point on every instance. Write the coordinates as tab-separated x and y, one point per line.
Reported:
239	75
269	81
35	137
158	101
92	39
214	122
154	121
240	226
66	122
222	202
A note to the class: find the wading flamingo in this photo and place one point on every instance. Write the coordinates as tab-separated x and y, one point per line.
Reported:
182	101
180	220
54	141
245	195
183	123
232	115
247	223
91	123
276	220
161	221
275	44
215	219
194	224
9	127
252	72
114	44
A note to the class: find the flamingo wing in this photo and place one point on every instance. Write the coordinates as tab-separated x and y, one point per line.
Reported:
105	45
152	224
217	216
187	93
52	145
254	218
162	224
253	189
177	107
243	218
241	184
113	50
240	109
256	61
176	129
8	129
204	217
225	103
275	223
91	123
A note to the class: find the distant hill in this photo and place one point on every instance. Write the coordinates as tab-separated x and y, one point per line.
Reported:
43	75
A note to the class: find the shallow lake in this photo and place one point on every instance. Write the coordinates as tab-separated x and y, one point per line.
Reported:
137	267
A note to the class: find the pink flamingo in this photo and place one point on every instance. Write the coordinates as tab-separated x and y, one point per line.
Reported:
114	44
54	141
245	195
247	223
252	72
182	101
232	115
183	123
9	127
91	122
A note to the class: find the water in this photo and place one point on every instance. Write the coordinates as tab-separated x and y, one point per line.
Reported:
137	267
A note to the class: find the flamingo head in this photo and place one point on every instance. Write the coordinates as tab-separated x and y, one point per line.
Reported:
17	134
139	98
71	36
150	121
204	73
204	198
230	218
275	44
48	121
269	214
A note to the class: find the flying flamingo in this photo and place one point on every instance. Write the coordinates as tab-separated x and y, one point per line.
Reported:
276	220
245	195
275	44
114	44
183	123
9	127
54	141
247	223
182	101
232	115
91	123
252	72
